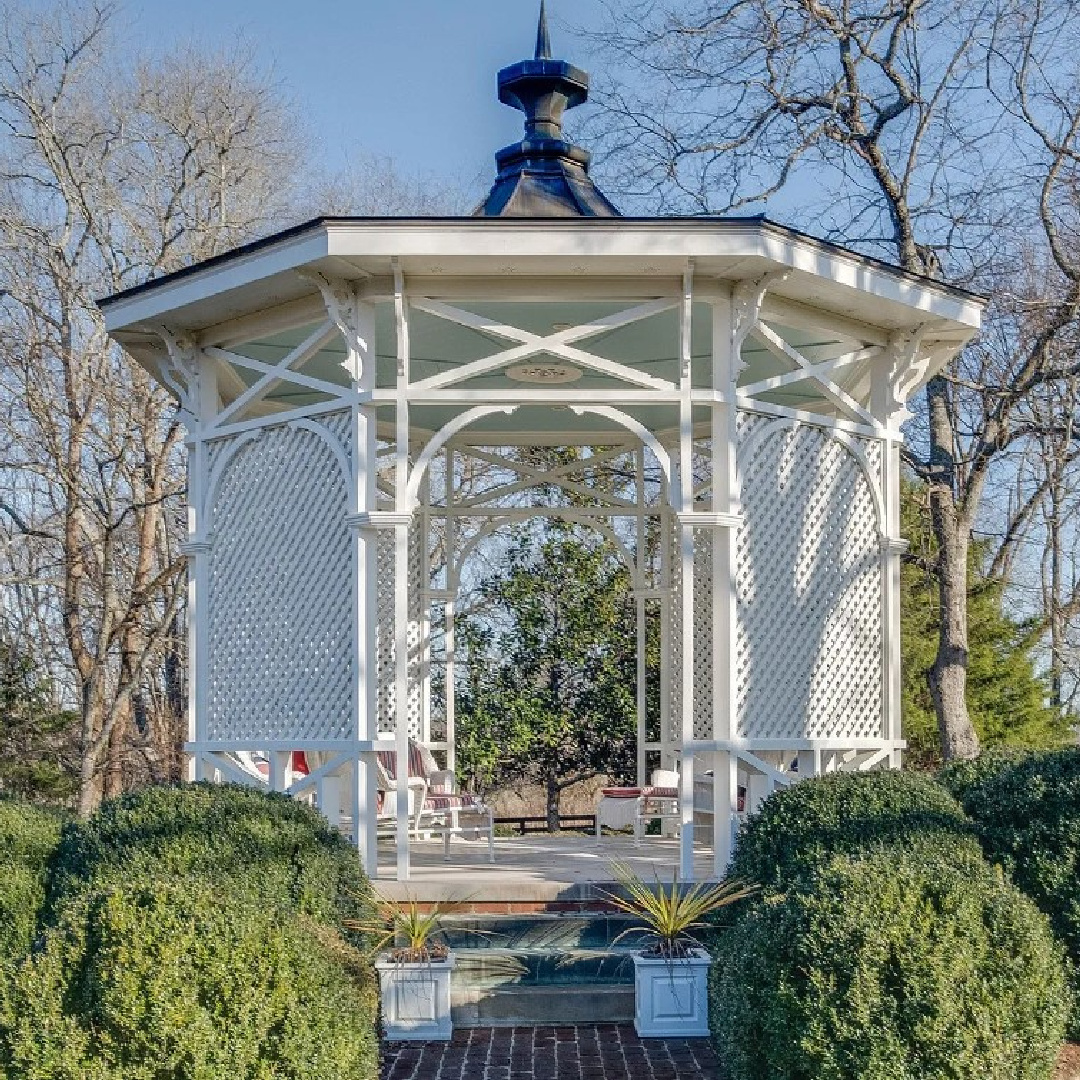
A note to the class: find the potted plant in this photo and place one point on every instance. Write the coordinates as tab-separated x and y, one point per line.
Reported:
414	973
671	973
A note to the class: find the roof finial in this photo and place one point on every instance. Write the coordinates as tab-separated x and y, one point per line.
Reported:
543	38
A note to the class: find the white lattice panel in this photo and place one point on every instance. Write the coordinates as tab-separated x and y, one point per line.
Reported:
674	732
279	619
414	703
703	634
384	631
809	643
385	649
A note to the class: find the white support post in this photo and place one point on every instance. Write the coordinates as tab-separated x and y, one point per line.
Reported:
401	572
725	505
280	761
401	693
889	405
640	586
363	777
203	404
686	570
449	612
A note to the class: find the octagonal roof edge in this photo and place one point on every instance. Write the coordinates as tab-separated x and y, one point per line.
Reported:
686	237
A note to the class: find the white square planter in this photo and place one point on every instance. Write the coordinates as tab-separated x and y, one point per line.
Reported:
672	996
416	999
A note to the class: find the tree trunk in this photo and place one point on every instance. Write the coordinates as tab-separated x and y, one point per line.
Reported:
89	774
948	676
553	793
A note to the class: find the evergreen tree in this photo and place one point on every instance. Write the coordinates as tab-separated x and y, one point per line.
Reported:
1007	698
38	740
550	689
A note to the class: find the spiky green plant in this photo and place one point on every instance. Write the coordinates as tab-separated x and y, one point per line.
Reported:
671	914
408	929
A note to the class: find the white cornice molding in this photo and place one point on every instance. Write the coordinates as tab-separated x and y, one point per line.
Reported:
894	545
378	519
701	519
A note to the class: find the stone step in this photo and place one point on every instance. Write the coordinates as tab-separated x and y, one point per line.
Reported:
493	968
512	1006
555	932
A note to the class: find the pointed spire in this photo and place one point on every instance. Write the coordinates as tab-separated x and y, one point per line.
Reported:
544	175
543	38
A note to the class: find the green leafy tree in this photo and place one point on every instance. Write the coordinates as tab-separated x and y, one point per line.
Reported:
1007	698
550	689
38	740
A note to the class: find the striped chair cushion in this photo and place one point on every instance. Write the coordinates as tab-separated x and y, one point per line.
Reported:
452	802
421	762
660	793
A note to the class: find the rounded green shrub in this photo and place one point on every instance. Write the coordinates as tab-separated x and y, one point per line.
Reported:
28	838
268	846
802	826
964	775
1028	817
173	981
890	967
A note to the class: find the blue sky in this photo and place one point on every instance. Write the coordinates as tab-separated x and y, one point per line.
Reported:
411	79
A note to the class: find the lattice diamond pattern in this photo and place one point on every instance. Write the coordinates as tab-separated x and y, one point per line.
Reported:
279	618
415	700
385	650
674	732
703	634
809	643
384	631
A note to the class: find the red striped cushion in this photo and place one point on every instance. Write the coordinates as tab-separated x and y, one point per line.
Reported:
451	802
421	762
388	761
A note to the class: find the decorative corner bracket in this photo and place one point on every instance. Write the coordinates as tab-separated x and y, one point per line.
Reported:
342	306
906	371
747	297
182	350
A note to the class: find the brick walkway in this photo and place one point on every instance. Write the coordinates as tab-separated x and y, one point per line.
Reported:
598	1052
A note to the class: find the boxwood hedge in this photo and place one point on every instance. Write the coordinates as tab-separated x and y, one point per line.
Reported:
175	981
890	967
800	827
1028	817
28	837
963	775
268	846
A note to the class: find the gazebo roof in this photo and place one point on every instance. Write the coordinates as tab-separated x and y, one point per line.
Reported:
628	255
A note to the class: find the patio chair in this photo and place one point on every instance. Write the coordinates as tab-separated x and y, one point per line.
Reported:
659	800
436	805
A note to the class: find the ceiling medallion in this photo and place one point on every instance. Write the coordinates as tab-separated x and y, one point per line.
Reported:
544	374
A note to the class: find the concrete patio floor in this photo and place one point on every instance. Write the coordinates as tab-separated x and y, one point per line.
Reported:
537	867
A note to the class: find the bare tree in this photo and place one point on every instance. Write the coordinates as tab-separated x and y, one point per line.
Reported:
110	173
936	132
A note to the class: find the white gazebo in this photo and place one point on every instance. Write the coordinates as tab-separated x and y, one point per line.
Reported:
343	382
